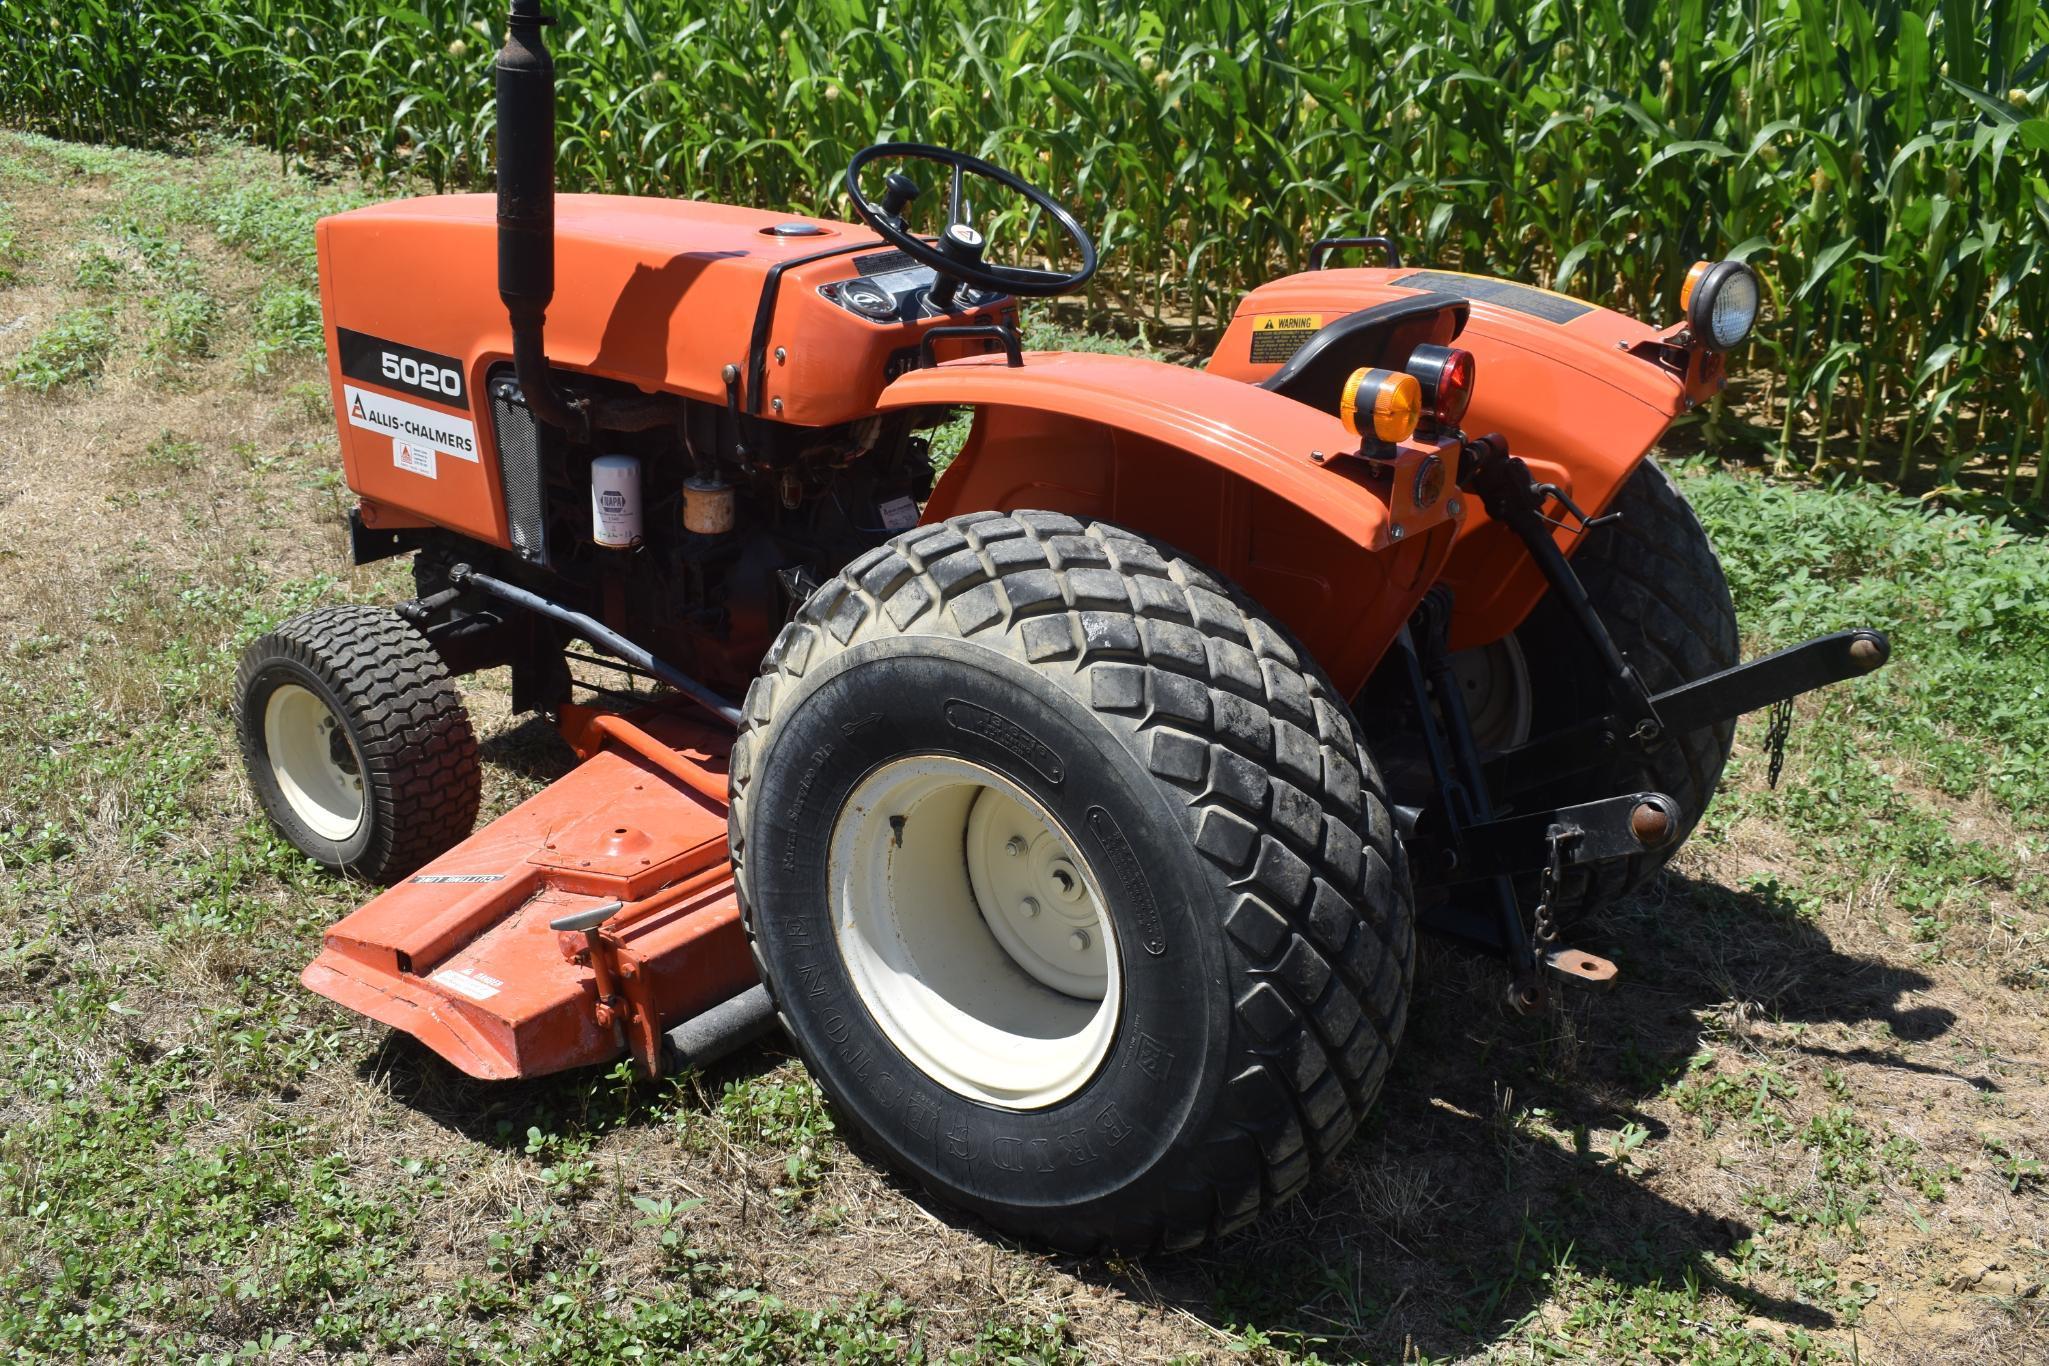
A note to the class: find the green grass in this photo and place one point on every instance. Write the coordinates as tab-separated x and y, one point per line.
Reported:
98	272
71	350
11	255
1960	716
287	324
182	324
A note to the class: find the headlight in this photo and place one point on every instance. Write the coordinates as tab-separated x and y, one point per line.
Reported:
1720	300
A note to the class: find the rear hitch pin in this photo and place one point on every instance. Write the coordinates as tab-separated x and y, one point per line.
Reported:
1650	824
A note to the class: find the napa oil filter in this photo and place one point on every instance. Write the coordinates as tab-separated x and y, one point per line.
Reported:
615	501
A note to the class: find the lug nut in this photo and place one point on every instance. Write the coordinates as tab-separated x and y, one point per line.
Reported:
1015	847
1030	907
1078	941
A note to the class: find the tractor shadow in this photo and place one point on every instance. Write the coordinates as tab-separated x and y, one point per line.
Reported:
1442	1227
531	751
1439	1229
583	1104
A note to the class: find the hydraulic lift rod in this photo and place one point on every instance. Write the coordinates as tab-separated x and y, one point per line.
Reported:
597	633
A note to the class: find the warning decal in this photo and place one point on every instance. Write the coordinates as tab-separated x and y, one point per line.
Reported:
899	514
459	877
417	426
471	983
1277	336
412	455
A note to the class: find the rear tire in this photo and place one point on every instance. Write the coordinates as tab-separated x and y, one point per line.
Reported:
1131	718
1657	584
356	743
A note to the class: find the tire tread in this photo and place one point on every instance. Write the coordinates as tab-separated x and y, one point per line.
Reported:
418	746
1655	580
1266	761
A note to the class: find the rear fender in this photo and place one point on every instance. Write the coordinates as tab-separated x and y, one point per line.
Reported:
1249	482
1572	386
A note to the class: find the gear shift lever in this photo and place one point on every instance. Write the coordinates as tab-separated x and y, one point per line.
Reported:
898	190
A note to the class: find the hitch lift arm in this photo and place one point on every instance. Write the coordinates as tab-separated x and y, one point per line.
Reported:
1635	717
1462	840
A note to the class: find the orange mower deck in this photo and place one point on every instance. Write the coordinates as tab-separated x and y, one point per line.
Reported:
460	955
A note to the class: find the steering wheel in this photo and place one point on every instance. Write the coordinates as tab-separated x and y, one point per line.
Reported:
957	256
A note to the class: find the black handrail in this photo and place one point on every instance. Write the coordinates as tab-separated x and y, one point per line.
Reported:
1013	349
1323	246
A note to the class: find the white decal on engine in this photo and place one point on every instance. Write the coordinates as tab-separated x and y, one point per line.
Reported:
899	514
469	982
399	420
413	455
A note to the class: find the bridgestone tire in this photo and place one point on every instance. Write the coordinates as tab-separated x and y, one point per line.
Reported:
1658	586
403	734
1218	788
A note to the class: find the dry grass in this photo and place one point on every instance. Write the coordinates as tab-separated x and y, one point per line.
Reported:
1791	1133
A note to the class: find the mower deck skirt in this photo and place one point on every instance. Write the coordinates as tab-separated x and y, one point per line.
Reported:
460	955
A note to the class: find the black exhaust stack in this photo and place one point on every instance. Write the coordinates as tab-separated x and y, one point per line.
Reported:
526	211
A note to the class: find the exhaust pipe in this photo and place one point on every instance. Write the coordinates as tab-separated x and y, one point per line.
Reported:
526	211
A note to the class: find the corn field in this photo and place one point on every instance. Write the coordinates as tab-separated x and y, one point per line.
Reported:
1883	163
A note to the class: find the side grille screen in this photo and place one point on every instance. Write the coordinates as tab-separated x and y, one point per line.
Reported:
519	466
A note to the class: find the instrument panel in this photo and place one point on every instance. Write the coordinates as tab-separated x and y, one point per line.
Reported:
892	288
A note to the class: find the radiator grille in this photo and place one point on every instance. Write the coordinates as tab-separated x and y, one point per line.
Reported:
519	469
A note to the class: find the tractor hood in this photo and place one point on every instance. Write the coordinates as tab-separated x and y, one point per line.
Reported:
664	292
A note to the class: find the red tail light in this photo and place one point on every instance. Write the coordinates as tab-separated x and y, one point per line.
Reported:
1446	374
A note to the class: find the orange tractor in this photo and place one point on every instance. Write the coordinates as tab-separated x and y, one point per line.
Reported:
1074	813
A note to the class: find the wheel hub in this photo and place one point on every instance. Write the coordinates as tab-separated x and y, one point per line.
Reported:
1495	680
974	932
314	762
1032	894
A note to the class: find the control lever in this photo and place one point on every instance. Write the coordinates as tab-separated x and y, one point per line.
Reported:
1581	524
604	966
898	190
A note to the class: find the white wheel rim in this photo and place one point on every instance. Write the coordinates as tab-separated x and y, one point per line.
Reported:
987	997
314	761
1495	679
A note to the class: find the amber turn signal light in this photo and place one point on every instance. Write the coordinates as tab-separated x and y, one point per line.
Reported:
1383	404
1693	275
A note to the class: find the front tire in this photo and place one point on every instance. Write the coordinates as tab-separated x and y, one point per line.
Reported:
1203	999
356	741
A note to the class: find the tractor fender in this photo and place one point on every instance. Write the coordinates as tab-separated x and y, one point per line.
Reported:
1256	485
1571	385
